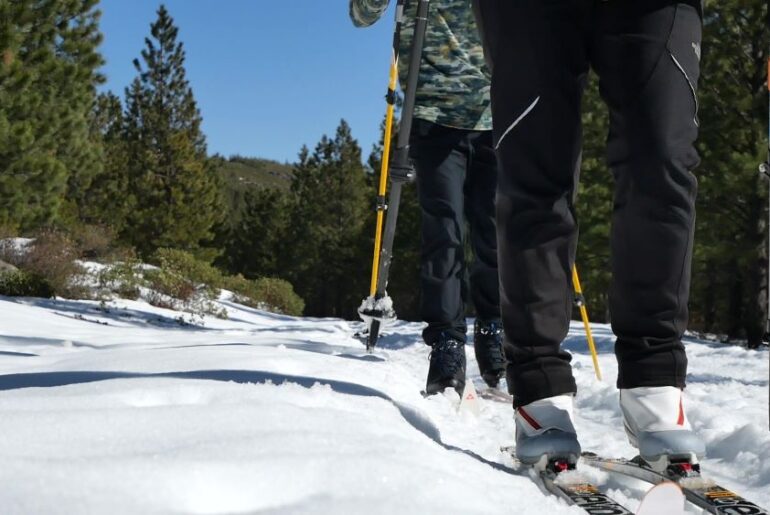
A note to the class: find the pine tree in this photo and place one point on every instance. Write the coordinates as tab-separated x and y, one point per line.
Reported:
77	41
48	75
105	200
255	243
594	206
729	266
328	213
176	191
729	294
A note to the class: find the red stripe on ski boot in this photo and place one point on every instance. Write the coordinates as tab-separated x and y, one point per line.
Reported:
531	421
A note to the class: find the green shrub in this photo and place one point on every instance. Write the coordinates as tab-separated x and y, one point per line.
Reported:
18	283
240	286
280	295
187	266
119	254
172	284
51	257
266	293
93	241
182	282
170	291
122	278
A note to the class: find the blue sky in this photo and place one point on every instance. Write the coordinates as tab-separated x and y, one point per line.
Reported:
269	76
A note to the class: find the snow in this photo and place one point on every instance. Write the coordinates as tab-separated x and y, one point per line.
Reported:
121	409
383	307
17	244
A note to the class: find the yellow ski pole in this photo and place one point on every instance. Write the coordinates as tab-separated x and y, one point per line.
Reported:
384	169
396	170
581	303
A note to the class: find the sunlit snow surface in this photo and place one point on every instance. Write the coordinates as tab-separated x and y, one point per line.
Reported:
126	411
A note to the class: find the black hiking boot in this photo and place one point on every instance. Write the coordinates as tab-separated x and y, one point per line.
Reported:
488	347
447	365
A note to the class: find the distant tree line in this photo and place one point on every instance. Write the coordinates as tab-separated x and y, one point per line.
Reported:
70	156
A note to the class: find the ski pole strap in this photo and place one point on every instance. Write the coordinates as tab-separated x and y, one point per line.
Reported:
400	7
390	97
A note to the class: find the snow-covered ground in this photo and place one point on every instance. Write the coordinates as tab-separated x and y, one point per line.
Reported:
126	411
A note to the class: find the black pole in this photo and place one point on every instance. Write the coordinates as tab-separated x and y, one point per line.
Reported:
401	170
382	205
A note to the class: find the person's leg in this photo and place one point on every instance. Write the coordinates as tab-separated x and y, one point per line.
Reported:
539	65
647	56
480	191
440	164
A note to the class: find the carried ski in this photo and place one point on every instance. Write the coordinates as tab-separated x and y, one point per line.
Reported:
700	491
565	482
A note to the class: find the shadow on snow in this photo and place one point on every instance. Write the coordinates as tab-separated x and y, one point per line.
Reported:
80	310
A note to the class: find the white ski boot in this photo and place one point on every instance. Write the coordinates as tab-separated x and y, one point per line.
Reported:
656	424
544	432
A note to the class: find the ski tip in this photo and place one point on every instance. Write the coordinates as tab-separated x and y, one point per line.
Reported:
469	400
666	497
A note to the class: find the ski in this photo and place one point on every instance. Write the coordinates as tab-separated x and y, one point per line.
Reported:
562	480
575	489
493	394
698	490
468	401
666	497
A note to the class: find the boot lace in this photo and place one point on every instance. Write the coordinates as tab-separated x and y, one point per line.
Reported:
492	334
447	355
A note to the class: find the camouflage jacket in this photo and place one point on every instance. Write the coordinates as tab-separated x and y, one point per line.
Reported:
454	80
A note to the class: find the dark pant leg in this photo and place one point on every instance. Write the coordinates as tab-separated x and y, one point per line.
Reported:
646	54
537	49
480	191
440	157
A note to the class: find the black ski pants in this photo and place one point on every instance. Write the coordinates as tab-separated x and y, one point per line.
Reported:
646	54
456	181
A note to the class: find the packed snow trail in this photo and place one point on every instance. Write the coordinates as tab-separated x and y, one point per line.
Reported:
125	410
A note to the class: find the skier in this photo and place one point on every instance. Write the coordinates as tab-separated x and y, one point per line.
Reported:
451	148
646	55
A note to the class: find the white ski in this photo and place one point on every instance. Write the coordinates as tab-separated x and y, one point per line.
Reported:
666	497
469	402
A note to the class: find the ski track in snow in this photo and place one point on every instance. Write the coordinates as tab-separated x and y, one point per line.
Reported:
126	411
